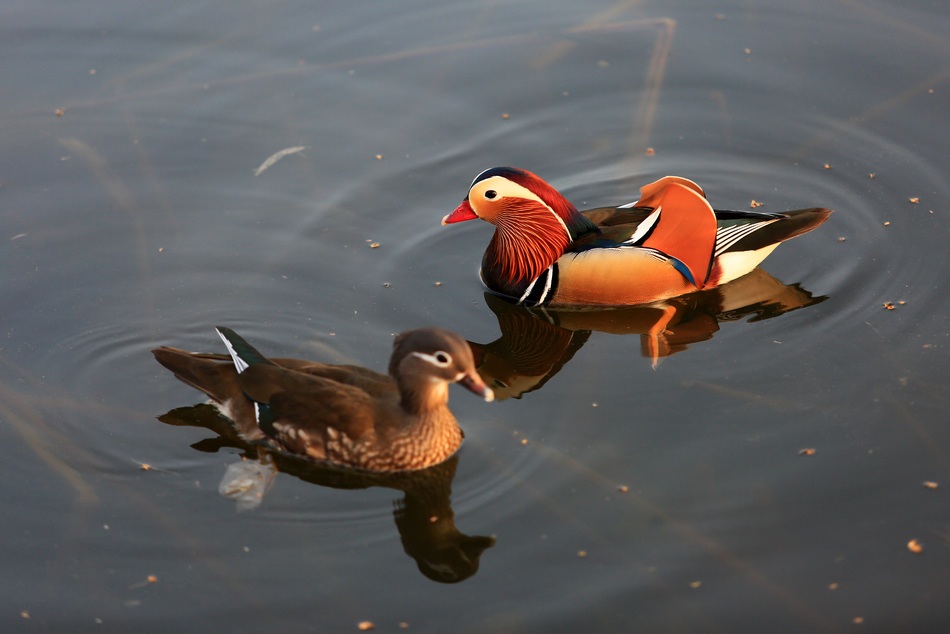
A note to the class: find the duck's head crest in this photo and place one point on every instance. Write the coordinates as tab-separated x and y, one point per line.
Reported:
533	183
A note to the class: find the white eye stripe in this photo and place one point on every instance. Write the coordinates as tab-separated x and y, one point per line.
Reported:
505	188
439	359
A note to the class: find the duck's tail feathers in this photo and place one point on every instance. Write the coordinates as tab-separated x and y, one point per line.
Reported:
758	234
205	373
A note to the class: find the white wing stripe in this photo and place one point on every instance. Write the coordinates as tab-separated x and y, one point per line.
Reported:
239	364
727	237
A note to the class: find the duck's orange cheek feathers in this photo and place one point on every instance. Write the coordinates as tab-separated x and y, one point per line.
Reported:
462	213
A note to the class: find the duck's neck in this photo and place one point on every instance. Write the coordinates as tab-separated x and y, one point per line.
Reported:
527	241
419	398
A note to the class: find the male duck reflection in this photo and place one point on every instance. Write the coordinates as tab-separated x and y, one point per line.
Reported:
340	414
668	243
536	343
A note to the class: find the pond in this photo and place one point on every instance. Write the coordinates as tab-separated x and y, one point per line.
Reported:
777	458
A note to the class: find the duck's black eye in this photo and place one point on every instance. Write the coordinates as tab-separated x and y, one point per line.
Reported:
442	358
491	194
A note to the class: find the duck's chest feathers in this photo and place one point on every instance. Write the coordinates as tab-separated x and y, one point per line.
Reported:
415	442
526	242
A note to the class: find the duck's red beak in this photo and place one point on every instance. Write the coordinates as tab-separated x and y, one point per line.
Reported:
461	213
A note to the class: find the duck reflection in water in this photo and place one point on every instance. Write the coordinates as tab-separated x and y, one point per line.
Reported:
424	516
536	343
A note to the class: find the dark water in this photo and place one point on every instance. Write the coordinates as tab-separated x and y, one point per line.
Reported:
133	218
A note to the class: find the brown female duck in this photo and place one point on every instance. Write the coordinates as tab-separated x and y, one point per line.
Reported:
341	414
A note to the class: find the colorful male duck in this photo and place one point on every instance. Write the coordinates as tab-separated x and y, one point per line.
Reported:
668	243
341	414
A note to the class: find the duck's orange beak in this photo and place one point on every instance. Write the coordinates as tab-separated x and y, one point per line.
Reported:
462	212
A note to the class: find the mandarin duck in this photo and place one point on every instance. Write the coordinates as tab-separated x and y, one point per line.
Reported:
668	243
341	414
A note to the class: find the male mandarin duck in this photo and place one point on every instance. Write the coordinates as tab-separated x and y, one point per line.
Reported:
668	243
341	414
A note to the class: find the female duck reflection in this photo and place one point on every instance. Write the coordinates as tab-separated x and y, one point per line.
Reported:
536	343
424	516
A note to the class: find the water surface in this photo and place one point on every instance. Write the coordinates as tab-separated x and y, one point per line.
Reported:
611	495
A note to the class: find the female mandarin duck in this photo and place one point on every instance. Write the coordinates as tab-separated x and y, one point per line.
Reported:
668	243
341	414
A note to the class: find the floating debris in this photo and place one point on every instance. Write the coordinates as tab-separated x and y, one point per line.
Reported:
807	451
650	152
273	158
365	626
915	546
930	484
754	204
914	199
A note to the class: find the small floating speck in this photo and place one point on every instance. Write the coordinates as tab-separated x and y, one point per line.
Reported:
438	283
872	175
365	626
650	152
827	166
373	245
807	451
914	199
379	157
386	284
915	546
623	488
754	203
930	484
60	112
505	115
695	584
582	553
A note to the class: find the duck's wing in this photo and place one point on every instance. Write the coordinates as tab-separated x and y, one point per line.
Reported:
751	231
308	414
